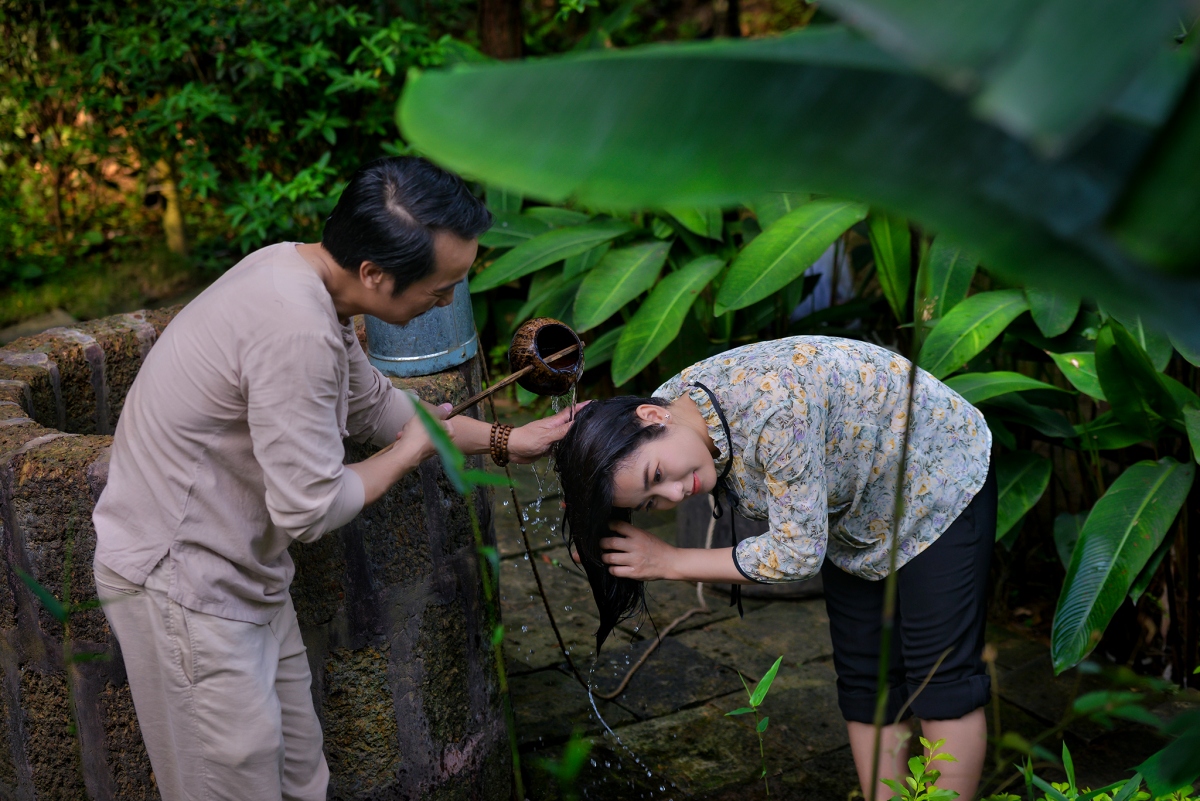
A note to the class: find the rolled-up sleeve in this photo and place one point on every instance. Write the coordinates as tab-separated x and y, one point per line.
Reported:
790	451
377	410
295	434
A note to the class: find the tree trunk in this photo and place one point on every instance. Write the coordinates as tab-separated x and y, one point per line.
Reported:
500	28
172	212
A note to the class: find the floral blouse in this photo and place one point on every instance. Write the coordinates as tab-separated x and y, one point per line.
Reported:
817	426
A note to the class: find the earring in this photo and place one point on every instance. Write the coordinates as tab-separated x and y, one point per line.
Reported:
668	418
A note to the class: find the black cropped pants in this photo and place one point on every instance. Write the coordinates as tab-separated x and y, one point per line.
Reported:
941	604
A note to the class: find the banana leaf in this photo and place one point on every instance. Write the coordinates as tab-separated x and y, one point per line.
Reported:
1121	533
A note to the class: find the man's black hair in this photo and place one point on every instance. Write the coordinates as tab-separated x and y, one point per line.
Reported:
390	211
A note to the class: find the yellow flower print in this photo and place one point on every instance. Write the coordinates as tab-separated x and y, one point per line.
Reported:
924	485
799	359
738	376
899	421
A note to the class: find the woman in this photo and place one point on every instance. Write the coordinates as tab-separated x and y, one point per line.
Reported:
807	433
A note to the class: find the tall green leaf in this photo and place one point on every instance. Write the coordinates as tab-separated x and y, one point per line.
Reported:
771	206
1080	369
764	684
1066	533
782	252
1053	312
1139	398
1046	421
1124	528
620	277
1191	420
1106	433
891	243
577	265
968	328
819	110
978	387
702	222
1156	344
510	229
658	320
557	217
943	278
1044	69
545	249
1190	354
1021	478
1146	575
600	350
502	201
1178	763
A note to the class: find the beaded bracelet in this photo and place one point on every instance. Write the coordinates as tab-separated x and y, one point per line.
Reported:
498	445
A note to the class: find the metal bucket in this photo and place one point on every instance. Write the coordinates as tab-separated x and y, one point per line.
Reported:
439	339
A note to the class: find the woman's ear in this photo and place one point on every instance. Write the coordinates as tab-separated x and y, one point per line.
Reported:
650	414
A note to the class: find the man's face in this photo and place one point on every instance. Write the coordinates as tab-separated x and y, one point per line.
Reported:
453	257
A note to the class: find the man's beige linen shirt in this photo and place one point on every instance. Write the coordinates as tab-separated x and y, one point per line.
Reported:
229	446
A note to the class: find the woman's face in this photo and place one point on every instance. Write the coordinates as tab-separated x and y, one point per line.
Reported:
665	470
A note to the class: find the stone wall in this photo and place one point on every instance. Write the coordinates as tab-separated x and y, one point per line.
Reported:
390	605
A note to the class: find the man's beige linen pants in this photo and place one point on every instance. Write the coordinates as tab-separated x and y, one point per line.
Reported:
224	706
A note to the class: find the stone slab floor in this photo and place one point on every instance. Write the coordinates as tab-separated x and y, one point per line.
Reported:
674	740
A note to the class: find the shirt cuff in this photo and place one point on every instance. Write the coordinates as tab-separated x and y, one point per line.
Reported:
738	565
349	501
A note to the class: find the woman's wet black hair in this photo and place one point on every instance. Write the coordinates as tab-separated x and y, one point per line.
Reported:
605	434
391	209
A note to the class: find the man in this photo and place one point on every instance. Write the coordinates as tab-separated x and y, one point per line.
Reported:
229	448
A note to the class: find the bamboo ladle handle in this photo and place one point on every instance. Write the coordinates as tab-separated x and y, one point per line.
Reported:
471	401
476	398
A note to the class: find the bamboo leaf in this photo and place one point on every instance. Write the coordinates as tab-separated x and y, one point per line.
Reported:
781	253
968	328
1053	312
762	724
1121	533
620	277
545	249
658	320
1080	369
764	684
600	350
743	711
452	458
978	387
891	243
1066	533
943	279
1021	478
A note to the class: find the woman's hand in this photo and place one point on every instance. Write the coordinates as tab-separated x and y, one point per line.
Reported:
637	554
531	441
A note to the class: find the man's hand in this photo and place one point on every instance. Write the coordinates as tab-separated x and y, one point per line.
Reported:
637	554
413	444
531	441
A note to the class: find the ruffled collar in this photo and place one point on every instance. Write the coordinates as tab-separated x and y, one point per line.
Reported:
715	430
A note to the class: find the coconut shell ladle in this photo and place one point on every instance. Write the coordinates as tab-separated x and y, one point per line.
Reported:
554	374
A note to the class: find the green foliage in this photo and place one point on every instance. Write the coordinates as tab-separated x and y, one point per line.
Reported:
756	698
1119	537
1021	478
566	769
891	244
968	328
921	784
783	251
620	277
